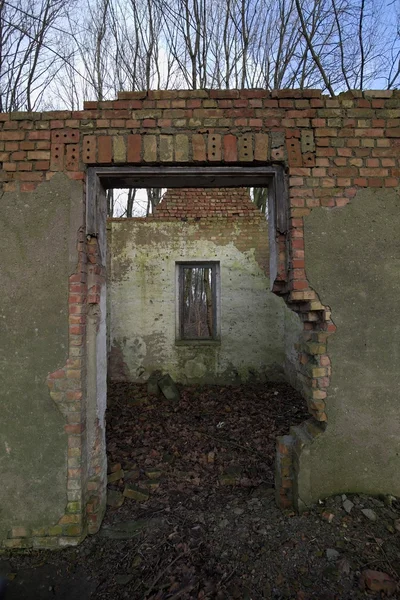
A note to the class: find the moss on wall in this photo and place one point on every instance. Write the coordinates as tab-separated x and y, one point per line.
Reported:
142	300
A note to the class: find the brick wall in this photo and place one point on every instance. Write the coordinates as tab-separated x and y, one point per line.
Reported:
330	147
206	202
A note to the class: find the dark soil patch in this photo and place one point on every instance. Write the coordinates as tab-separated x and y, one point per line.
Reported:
206	525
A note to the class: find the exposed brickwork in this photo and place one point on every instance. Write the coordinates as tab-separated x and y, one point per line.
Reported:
251	233
330	147
206	202
96	469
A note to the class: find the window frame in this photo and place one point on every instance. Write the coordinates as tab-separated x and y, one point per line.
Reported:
215	267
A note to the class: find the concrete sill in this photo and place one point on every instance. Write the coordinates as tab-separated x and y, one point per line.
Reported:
197	342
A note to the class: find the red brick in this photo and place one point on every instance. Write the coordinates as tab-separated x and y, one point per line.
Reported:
294	152
309	159
224	93
376	182
57	157
31	176
390	133
56	124
65	136
89	149
104	149
39	135
230	148
21	155
149	123
199	148
42	165
25	166
72	157
134	148
261	146
214	147
28	187
43	145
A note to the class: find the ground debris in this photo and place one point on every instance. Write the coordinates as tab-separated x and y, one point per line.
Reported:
193	538
377	581
136	493
115	498
369	514
169	388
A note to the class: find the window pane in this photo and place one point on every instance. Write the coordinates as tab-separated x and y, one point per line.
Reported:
198	303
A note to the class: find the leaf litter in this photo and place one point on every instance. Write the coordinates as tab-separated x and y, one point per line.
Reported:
192	513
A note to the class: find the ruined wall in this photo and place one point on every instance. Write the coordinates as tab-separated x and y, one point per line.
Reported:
143	300
331	148
353	260
39	232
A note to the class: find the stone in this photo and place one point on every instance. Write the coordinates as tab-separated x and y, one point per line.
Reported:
348	505
137	561
153	474
113	477
168	388
132	475
397	524
113	467
238	511
115	498
152	384
369	513
211	458
151	484
136	493
377	581
377	502
344	567
332	554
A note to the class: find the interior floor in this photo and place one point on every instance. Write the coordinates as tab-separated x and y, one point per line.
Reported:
211	439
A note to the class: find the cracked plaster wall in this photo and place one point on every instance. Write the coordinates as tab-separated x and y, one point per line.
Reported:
142	303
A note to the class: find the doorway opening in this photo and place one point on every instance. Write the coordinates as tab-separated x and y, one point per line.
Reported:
189	301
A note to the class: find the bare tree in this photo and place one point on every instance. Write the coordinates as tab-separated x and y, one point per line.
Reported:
28	30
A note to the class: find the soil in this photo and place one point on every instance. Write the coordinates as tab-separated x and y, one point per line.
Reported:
204	523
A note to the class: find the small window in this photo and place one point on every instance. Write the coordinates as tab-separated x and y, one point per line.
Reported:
197	308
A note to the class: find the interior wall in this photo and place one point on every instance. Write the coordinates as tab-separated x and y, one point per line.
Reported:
143	301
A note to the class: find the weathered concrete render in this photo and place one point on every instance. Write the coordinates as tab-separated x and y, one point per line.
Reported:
353	262
143	302
38	233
